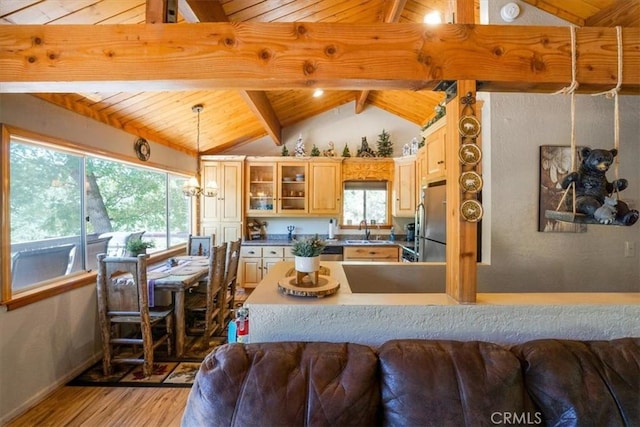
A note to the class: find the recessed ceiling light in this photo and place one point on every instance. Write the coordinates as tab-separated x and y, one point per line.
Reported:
433	18
317	93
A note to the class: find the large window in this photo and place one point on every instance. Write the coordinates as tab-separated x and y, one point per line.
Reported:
365	200
66	206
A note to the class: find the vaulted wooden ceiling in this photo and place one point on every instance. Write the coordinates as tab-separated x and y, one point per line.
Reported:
237	116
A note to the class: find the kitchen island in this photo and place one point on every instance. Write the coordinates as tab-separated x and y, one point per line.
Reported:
372	318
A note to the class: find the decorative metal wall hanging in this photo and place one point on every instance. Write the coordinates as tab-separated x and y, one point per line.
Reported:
469	155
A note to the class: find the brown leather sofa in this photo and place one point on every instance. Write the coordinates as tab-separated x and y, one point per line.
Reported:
411	382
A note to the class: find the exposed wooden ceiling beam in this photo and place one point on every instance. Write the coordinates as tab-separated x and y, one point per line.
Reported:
554	10
90	58
202	11
212	11
625	14
393	15
261	107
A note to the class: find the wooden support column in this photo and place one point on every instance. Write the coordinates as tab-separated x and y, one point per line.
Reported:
462	236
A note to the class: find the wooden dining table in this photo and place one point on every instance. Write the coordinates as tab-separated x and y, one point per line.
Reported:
178	279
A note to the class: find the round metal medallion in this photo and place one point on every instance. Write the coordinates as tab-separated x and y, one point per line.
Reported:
469	154
471	182
469	126
471	210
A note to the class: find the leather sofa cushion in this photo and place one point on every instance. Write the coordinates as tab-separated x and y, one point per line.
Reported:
271	384
576	383
439	382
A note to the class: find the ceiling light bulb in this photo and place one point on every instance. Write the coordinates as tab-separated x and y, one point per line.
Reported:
433	18
317	93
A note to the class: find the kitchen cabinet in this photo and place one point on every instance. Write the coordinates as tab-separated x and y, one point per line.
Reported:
222	214
404	187
277	187
371	253
325	187
435	143
255	262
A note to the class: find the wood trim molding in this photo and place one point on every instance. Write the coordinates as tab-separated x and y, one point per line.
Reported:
373	169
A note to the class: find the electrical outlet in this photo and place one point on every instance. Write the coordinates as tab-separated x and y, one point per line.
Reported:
629	249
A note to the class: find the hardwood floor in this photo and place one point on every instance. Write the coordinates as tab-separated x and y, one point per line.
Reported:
107	406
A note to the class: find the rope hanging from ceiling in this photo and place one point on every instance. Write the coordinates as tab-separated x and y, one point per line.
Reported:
611	210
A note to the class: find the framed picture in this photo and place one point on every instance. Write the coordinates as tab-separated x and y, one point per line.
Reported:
555	164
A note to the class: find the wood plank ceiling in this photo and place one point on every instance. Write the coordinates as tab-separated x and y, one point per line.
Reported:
234	116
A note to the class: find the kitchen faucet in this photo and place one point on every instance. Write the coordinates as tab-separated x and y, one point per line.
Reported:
367	233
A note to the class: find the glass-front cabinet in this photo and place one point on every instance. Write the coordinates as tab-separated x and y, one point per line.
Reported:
293	187
277	187
262	188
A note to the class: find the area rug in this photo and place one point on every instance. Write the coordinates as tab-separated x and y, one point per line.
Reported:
167	371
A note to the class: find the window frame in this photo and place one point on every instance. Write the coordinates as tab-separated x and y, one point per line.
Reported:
75	280
389	220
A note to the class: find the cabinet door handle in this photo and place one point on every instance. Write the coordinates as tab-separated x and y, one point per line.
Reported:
441	162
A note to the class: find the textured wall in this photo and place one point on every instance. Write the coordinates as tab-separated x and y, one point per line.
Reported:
374	324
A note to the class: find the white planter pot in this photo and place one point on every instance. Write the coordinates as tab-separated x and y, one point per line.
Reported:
307	264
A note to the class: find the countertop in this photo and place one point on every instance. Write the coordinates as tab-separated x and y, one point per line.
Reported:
333	242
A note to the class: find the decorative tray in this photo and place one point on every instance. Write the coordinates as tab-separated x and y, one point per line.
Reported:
326	286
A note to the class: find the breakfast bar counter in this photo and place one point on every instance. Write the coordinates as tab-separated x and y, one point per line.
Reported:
372	318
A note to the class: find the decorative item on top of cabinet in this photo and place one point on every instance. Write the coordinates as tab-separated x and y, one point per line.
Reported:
385	145
300	151
365	150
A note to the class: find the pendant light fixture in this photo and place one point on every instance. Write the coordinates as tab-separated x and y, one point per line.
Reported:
192	188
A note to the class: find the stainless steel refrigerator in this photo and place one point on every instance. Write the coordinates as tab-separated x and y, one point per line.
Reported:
431	223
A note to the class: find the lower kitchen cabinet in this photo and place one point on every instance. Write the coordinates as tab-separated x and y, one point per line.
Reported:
371	253
255	262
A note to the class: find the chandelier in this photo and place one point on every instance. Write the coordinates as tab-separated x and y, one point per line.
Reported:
192	188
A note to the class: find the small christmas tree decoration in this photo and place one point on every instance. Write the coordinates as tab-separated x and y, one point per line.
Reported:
385	146
345	151
300	150
285	151
365	150
315	151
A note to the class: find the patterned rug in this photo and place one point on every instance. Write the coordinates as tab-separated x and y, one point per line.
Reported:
167	371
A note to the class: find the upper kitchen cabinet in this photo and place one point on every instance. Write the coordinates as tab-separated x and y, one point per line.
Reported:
277	187
325	183
222	215
404	187
435	143
227	205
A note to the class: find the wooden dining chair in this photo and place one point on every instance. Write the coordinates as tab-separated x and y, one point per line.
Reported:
230	280
200	245
123	298
203	303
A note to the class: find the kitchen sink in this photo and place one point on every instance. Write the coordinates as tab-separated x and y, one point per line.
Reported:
369	242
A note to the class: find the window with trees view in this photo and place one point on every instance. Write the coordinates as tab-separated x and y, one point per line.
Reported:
63	201
365	200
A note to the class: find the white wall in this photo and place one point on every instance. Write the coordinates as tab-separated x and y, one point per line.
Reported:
523	259
45	344
340	125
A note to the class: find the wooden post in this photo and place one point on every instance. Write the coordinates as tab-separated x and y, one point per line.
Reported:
462	236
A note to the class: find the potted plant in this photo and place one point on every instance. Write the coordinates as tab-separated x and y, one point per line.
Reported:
307	253
138	246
